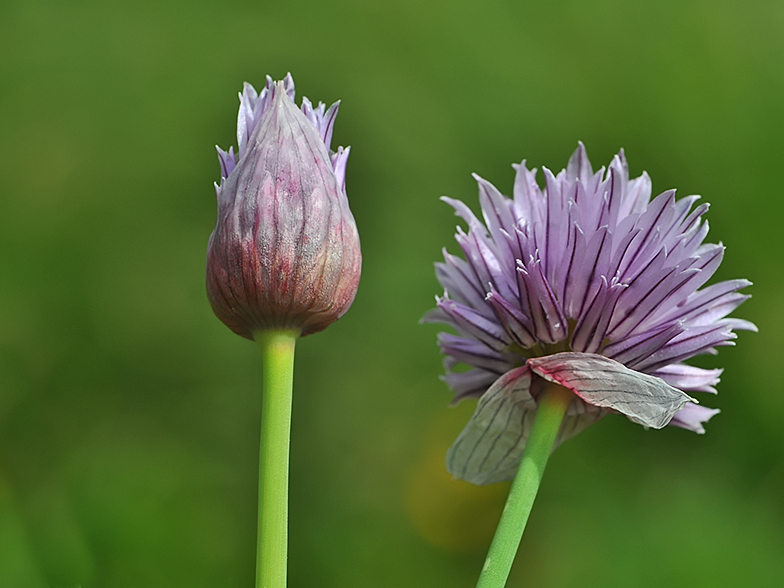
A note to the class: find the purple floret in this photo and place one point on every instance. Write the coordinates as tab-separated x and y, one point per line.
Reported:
589	264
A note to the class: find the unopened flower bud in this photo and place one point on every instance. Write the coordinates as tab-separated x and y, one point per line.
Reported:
285	250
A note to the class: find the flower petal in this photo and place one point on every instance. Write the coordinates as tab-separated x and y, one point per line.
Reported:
469	322
692	416
227	161
604	382
470	384
323	122
472	352
517	325
687	377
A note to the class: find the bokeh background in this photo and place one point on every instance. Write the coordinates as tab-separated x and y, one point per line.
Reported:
129	415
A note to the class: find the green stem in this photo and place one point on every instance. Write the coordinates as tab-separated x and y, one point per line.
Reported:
277	348
549	414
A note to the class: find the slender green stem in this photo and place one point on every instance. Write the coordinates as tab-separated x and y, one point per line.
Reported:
277	348
549	414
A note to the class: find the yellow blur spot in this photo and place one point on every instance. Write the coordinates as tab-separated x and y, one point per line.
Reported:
450	514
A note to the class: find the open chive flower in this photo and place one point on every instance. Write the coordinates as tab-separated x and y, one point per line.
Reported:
590	284
285	250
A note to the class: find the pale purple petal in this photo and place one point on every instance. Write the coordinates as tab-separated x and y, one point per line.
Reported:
227	161
471	351
470	384
339	161
545	312
323	121
636	348
498	218
590	332
693	341
288	86
472	323
517	325
692	416
248	116
579	166
687	377
528	198
457	278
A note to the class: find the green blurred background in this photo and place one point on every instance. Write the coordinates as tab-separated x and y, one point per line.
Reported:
129	415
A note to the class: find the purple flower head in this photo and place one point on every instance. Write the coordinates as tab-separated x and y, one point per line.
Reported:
589	284
285	250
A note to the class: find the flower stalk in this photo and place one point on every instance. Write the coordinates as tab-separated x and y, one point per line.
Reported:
277	348
553	403
572	302
283	262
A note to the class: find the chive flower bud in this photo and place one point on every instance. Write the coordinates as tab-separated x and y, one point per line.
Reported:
285	250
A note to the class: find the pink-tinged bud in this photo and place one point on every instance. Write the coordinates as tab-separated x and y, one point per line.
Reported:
285	250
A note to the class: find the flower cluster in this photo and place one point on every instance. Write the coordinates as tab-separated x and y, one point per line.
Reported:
588	283
285	250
